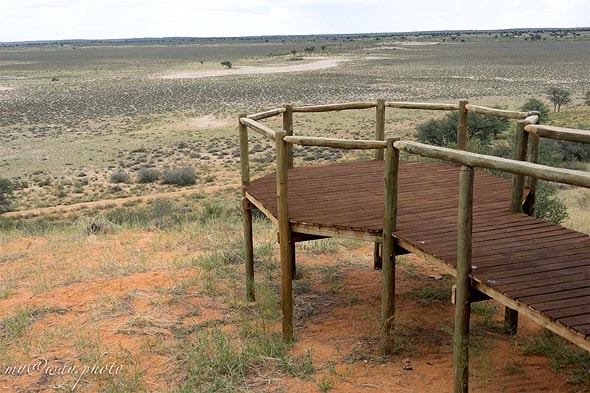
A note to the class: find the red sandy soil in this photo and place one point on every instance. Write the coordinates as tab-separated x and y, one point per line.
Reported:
342	335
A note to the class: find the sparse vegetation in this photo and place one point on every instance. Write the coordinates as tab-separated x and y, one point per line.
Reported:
227	64
158	283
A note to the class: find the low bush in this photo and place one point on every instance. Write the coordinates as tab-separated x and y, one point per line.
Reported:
147	175
179	176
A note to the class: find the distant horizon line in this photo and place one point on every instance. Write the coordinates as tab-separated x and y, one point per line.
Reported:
274	36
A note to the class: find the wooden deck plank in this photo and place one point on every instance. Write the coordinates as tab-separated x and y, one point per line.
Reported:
541	264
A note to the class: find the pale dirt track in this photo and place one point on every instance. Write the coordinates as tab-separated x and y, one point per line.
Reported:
115	202
248	70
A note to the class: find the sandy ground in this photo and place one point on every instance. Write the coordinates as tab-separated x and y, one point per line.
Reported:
130	314
5	88
210	121
247	70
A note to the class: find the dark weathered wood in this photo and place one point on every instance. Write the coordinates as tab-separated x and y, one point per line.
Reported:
389	225
462	127
285	241
463	291
288	128
248	249
347	200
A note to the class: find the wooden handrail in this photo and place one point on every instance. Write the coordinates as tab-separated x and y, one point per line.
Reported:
266	114
422	105
559	175
335	107
259	128
499	112
559	133
335	142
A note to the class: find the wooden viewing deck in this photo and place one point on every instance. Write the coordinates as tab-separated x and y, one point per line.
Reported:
470	223
540	269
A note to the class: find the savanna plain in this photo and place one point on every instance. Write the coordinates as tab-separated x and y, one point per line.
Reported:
121	260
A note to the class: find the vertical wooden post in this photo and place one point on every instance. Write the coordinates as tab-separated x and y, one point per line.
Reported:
244	155
288	128
285	240
248	249
522	139
389	226
532	181
463	292
380	136
380	126
462	127
246	213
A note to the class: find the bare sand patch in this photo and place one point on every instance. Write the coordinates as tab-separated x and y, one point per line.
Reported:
209	121
248	70
6	88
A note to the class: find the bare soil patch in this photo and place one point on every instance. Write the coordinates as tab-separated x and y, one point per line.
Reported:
209	121
248	70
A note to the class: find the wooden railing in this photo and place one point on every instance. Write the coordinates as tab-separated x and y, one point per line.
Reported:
392	146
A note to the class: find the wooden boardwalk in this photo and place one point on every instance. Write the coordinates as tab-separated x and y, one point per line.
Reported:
540	269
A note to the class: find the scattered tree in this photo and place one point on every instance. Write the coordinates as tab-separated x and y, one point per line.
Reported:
309	50
587	98
294	52
226	64
6	193
558	97
535	104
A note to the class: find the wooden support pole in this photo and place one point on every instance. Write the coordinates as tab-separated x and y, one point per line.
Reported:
380	126
516	203
246	212
285	240
522	138
531	202
248	249
244	155
462	127
379	153
389	226
463	292
288	128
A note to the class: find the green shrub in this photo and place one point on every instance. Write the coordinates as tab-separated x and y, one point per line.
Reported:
6	195
548	206
179	176
147	175
443	132
120	176
535	104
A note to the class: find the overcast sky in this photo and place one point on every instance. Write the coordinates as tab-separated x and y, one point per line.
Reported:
22	20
